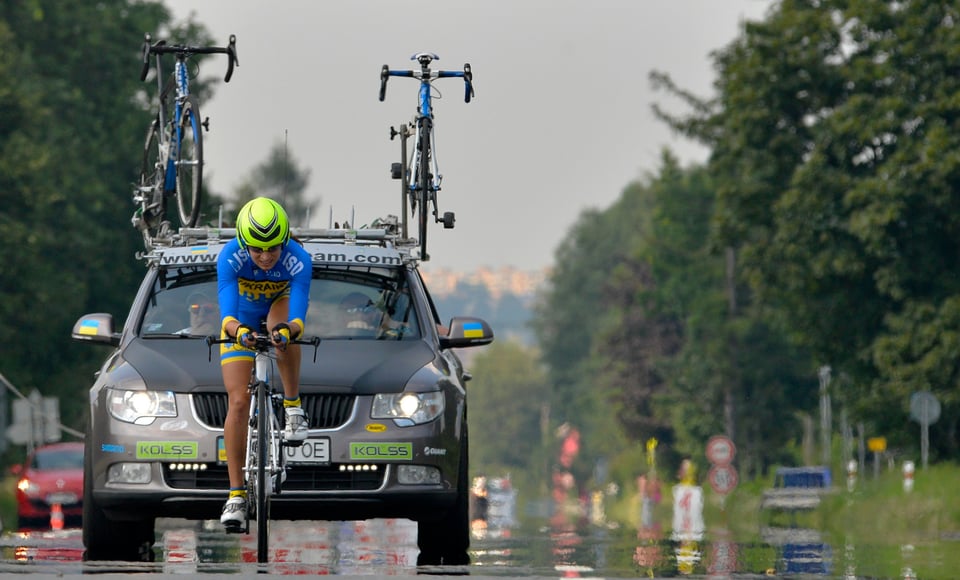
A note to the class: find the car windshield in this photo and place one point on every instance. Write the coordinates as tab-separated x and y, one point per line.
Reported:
345	304
57	459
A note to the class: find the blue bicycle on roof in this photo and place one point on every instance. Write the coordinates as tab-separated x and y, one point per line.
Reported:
172	164
421	174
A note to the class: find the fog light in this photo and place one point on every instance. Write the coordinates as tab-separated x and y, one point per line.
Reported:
417	474
129	473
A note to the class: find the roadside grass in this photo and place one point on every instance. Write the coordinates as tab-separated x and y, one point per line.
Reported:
930	511
8	502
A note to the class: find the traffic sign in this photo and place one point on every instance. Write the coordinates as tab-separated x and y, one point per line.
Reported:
721	450
924	407
877	444
723	478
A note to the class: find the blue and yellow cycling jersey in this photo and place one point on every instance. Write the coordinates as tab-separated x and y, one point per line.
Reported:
246	292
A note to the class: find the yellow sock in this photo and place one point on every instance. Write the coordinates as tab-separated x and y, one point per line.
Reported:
238	493
291	402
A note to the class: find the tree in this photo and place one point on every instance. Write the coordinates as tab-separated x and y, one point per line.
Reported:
280	178
73	114
836	156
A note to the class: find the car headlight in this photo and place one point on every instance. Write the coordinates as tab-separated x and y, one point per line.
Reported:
141	407
29	488
408	408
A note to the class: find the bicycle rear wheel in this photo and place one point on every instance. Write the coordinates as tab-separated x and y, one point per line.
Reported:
149	194
190	164
263	474
424	184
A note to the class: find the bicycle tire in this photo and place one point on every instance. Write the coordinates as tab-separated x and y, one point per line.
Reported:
423	184
153	204
263	475
189	182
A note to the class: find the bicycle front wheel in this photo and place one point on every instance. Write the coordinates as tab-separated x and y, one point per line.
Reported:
424	184
190	164
263	472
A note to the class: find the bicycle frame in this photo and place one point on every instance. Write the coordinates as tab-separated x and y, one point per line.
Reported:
168	145
264	464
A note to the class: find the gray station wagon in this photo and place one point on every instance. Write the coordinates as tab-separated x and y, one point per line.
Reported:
384	391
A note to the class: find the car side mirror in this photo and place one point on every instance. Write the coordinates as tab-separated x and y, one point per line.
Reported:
467	331
96	328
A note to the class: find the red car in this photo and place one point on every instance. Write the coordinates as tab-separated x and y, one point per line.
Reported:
52	474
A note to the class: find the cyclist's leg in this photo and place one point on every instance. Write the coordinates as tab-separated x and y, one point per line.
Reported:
236	365
288	361
236	376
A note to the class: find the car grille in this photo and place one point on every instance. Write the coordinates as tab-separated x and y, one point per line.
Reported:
299	478
324	411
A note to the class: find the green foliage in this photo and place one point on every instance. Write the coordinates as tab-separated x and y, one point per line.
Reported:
508	398
836	164
73	114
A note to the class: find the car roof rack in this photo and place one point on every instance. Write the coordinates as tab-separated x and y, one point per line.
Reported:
382	232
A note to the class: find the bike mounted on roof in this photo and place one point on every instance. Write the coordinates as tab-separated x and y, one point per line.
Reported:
172	163
419	172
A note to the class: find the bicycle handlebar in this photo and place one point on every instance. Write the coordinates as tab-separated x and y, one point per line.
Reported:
263	343
425	75
161	47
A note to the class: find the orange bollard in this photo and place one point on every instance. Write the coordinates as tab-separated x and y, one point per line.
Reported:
56	517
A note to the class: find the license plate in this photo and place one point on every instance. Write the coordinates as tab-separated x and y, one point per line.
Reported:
62	498
311	451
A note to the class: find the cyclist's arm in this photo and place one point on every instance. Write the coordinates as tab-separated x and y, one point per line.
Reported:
299	287
228	288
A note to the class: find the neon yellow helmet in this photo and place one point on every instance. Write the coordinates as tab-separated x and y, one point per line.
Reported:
262	223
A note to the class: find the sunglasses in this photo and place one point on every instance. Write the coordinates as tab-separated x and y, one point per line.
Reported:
258	251
360	309
202	308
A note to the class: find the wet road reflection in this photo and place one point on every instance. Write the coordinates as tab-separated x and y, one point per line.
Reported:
559	547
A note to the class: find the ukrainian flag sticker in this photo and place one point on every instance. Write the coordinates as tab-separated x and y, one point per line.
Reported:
89	327
473	330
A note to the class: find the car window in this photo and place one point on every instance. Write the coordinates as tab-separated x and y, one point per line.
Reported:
58	459
182	302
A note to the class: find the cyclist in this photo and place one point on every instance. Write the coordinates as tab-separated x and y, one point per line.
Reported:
262	277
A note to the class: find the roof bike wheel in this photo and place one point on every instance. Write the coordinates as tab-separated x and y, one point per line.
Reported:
149	193
423	185
190	164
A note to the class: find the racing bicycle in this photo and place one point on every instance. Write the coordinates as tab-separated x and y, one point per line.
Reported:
420	174
264	469
172	165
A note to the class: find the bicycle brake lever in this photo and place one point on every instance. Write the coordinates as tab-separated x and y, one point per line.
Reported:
231	57
384	75
146	57
468	82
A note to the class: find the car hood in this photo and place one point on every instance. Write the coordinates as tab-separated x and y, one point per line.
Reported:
357	366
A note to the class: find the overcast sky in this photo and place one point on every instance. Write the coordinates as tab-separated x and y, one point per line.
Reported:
561	121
